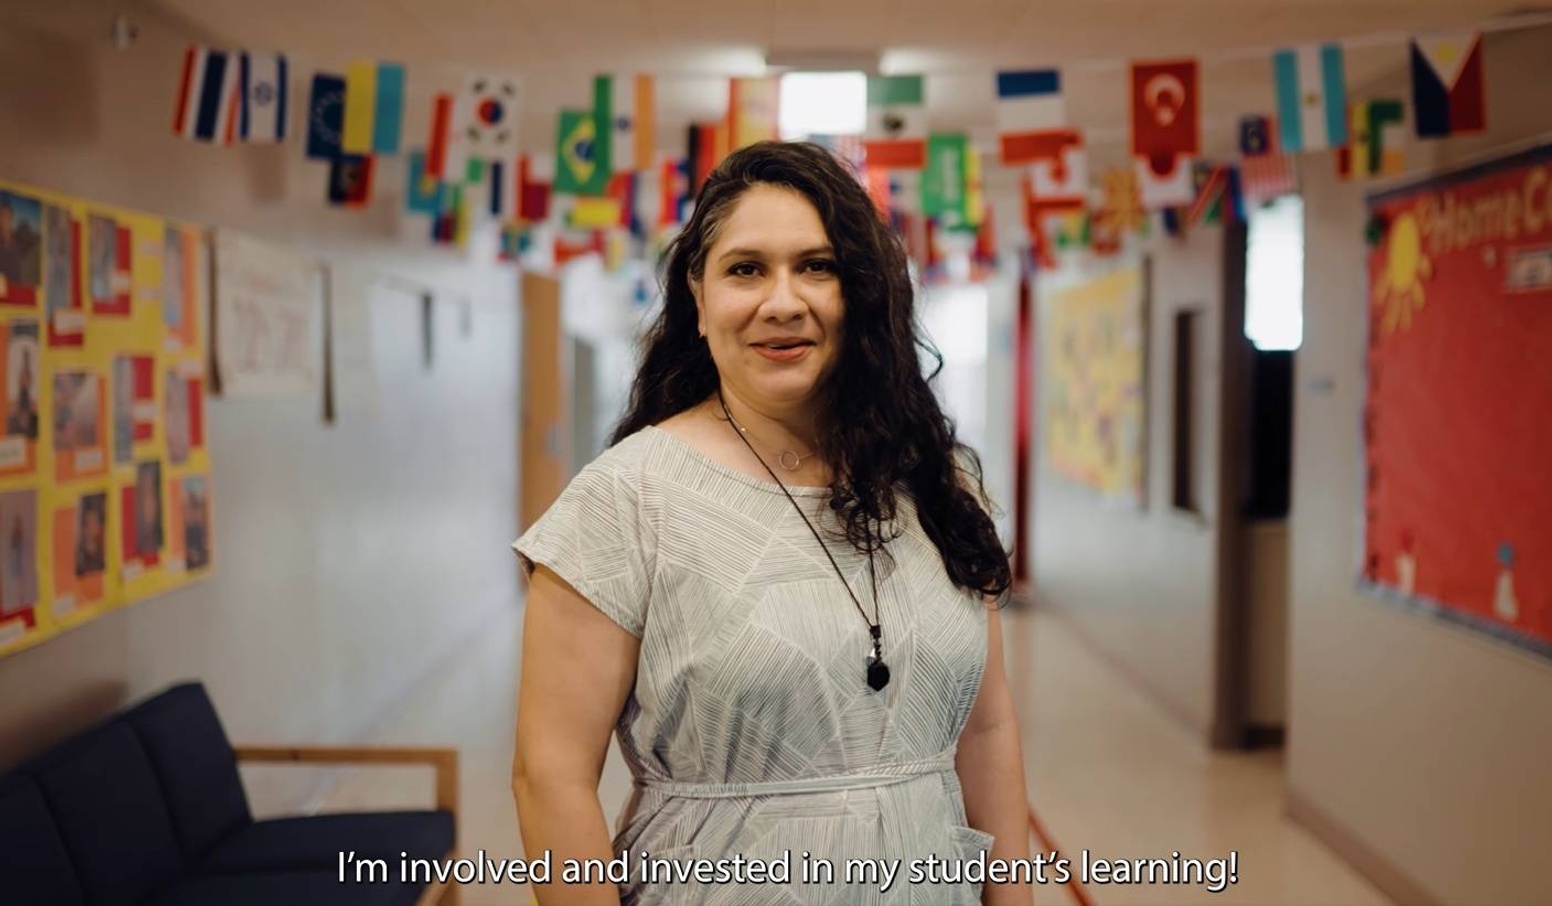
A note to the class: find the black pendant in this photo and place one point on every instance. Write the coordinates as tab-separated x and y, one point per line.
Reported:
878	674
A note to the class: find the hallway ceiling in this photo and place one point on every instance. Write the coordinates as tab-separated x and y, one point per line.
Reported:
557	45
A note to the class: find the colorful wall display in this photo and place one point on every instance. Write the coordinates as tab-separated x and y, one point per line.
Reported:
105	489
1458	502
1094	384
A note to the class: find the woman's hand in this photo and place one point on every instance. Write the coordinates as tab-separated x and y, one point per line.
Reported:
990	764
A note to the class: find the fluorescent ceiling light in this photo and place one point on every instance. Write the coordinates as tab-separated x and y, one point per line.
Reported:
823	103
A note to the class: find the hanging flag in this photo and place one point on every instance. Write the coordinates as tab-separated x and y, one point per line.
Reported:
1058	168
1166	129
1166	109
1374	148
1267	177
896	135
209	96
374	108
1255	135
485	118
704	154
1171	188
633	122
420	190
1449	95
1029	108
1311	97
753	105
264	89
946	179
350	180
360	108
578	170
533	194
325	116
673	188
594	212
439	145
501	194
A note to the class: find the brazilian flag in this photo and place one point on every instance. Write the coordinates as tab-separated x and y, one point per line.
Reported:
582	165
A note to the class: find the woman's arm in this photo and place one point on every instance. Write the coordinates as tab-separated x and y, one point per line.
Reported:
578	668
990	764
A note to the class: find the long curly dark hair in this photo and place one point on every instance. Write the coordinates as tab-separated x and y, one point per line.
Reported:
886	431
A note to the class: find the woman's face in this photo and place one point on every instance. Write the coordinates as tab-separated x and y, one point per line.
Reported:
770	303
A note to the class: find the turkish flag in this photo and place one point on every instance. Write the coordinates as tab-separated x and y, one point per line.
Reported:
1166	112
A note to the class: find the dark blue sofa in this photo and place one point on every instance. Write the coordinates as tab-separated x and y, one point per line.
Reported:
147	809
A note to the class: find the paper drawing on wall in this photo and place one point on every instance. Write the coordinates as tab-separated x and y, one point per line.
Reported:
1095	414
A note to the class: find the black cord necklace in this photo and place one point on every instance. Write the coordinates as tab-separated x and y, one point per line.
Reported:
877	670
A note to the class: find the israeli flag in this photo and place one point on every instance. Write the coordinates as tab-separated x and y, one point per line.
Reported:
264	84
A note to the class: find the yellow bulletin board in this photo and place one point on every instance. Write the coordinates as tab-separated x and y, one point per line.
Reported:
105	479
1094	382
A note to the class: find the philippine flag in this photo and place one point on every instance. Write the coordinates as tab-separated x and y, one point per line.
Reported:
208	103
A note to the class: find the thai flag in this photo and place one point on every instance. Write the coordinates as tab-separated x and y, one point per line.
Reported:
264	81
209	103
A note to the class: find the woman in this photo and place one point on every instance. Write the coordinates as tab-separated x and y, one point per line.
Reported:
777	585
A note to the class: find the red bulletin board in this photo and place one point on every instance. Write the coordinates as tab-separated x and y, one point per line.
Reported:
1458	417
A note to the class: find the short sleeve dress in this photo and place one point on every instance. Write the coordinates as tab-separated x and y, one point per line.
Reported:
751	731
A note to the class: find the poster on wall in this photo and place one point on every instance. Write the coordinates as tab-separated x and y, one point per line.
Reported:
105	473
1458	443
267	313
1095	414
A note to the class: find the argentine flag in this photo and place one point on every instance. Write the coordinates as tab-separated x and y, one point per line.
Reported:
1311	98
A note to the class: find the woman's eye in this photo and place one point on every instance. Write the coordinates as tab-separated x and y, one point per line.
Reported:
744	270
822	266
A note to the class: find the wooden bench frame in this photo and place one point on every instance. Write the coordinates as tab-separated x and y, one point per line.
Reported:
443	761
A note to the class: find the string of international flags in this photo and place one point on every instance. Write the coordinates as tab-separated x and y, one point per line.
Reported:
471	158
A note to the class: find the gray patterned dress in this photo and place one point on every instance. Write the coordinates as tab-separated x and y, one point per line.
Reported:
751	730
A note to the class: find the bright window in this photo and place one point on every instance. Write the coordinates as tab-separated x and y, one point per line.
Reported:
1274	275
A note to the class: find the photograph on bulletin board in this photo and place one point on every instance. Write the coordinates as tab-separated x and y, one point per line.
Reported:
19	555
181	287
80	553
189	535
142	526
63	312
21	249
80	425
134	404
1457	442
19	355
109	265
185	417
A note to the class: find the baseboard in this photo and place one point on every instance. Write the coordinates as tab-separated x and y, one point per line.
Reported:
1381	872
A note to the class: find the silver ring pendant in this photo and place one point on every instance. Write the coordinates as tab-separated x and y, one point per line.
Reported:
790	461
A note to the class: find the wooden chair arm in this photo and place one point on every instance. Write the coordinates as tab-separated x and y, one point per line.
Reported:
444	761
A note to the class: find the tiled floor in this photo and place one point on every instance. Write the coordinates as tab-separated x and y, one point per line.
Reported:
1108	773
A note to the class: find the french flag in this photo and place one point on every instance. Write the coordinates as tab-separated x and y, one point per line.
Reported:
208	105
